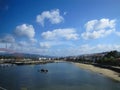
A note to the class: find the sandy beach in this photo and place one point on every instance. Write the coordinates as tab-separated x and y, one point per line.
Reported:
106	72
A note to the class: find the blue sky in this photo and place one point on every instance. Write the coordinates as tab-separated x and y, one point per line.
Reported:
60	27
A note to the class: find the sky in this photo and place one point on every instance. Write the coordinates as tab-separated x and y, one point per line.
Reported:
60	27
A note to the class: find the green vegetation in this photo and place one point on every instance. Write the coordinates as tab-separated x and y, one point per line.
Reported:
111	58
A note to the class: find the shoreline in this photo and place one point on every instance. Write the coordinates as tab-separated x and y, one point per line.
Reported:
33	62
106	72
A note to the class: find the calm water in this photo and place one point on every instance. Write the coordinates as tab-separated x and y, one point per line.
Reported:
61	76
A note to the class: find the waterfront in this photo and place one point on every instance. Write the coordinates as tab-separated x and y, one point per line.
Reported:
102	69
65	76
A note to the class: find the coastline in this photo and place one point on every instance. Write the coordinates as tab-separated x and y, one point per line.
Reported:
106	72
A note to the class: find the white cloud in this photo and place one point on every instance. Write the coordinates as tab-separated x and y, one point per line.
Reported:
26	30
45	45
68	34
45	48
33	40
98	28
23	44
89	49
55	43
7	39
118	33
53	16
24	47
105	47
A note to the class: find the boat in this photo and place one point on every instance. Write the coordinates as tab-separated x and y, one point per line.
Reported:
43	70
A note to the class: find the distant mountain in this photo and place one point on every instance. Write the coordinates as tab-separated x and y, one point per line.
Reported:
25	55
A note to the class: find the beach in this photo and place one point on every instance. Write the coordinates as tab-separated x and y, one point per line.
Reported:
106	72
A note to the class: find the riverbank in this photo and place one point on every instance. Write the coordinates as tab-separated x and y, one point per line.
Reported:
106	72
23	62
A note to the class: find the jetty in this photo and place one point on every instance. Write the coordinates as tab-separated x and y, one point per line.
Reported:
33	62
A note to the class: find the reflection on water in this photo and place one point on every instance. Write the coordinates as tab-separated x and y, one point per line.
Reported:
60	76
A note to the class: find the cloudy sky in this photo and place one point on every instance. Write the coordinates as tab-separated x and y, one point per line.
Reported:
60	27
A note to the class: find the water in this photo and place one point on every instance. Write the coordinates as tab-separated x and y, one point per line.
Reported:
60	76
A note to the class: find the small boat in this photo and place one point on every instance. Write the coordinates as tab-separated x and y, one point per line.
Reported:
43	70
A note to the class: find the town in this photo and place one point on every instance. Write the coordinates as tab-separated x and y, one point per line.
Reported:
105	58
